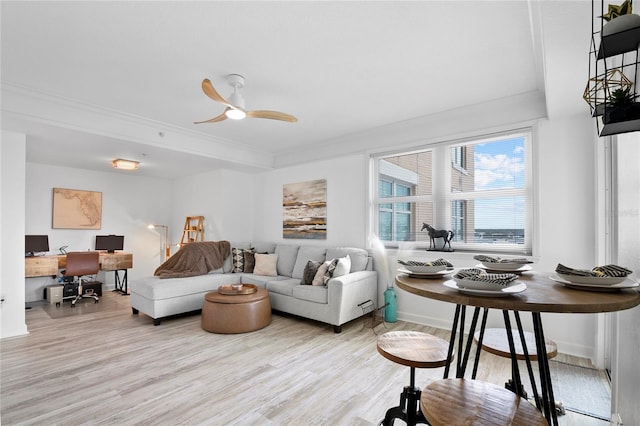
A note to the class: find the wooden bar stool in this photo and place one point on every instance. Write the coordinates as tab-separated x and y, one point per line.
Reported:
415	350
496	341
473	402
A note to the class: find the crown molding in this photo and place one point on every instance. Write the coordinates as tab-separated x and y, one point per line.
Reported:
30	105
497	115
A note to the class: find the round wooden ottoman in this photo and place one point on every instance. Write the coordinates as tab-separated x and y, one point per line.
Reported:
236	313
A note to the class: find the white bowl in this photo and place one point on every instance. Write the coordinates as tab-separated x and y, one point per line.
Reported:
482	285
591	280
503	266
425	269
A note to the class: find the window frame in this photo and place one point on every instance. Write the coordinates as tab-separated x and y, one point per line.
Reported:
442	192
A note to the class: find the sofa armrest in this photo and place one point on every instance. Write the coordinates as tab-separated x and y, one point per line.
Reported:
347	292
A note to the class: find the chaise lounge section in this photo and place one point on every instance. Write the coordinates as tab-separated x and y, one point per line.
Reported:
335	302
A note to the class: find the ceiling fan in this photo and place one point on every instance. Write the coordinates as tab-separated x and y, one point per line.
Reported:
235	105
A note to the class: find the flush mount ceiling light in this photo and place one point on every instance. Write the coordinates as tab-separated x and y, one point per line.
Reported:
125	164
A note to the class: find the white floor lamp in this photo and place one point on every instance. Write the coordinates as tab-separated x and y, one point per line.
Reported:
166	248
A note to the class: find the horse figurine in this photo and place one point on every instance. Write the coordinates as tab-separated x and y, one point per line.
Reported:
447	236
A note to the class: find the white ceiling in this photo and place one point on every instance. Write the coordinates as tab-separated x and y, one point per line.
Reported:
342	68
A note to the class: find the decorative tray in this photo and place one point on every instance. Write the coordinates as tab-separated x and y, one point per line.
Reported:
245	289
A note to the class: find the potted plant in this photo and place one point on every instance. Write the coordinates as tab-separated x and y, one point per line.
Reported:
621	106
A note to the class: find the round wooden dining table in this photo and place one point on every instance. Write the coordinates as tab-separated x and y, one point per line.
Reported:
542	294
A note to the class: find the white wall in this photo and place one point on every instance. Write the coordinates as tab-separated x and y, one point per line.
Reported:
346	200
626	324
129	204
12	187
226	200
567	203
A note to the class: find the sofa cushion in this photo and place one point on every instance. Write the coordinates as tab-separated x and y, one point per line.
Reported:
311	293
287	255
310	272
283	286
154	288
228	263
263	247
305	254
266	264
359	257
259	280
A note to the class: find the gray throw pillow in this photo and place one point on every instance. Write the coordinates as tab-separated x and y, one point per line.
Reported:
310	272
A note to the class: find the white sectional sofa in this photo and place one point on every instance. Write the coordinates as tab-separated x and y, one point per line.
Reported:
339	301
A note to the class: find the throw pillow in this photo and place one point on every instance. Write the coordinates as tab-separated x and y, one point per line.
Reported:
319	278
249	261
343	267
237	260
310	271
266	264
330	268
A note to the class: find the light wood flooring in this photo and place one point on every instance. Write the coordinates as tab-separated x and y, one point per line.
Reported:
101	365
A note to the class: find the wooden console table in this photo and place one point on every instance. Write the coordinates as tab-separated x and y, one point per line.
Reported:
42	266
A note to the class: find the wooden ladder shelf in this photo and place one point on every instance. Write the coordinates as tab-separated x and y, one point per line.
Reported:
193	230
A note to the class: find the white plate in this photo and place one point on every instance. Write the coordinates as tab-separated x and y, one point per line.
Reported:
427	274
627	283
577	279
504	266
519	268
425	269
514	289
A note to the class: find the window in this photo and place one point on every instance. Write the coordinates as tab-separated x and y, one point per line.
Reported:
479	189
458	154
395	218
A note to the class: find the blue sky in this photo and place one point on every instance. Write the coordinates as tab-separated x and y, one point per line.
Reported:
500	165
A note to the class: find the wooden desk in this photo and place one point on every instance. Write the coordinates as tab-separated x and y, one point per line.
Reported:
542	295
42	266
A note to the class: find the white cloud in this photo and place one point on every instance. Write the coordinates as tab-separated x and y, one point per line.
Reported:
497	171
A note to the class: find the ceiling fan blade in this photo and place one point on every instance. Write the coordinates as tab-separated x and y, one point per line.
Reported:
208	90
221	117
273	115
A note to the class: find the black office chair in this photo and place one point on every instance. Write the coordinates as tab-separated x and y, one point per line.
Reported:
80	264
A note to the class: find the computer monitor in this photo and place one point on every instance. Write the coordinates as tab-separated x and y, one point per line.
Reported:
35	244
110	243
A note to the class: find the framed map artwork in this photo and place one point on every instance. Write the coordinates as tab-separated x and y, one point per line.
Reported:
304	207
77	209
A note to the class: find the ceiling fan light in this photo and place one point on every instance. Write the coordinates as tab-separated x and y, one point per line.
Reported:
235	114
125	164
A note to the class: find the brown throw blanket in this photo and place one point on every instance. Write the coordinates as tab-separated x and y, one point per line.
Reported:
194	259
